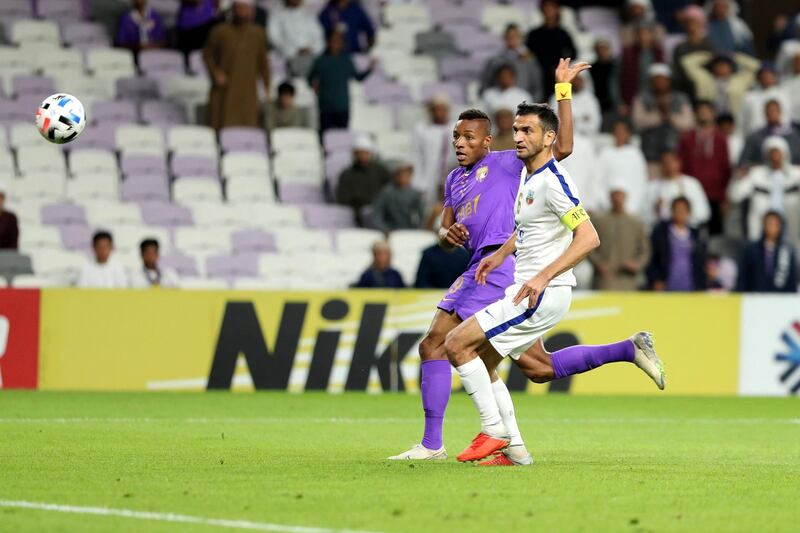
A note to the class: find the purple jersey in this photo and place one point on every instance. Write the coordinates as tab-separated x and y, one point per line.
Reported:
482	198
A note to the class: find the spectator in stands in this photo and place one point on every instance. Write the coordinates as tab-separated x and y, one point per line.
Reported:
505	94
605	79
361	182
751	117
622	166
720	273
678	261
770	263
9	229
432	144
549	43
330	77
283	112
399	206
640	13
774	186
673	184
348	17
140	28
440	268
637	58
297	36
704	154
721	79
727	32
624	248
661	114
236	57
727	126
192	24
790	84
753	153
380	275
503	138
260	17
668	13
152	274
695	26
103	272
586	113
514	53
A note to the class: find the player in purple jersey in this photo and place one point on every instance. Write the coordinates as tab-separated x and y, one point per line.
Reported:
478	214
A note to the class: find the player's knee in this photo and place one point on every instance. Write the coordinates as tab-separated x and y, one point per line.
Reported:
453	348
540	373
431	347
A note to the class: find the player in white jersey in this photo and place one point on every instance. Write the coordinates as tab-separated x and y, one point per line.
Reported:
553	234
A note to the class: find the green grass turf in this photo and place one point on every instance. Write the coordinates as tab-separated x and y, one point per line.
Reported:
603	463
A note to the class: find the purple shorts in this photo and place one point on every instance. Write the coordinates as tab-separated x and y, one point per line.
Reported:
466	297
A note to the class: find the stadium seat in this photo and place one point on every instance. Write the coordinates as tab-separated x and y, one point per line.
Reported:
439	44
62	213
26	32
337	140
195	165
184	265
216	215
76	237
370	118
101	136
188	191
202	241
11	112
89	186
188	91
114	111
16	9
59	59
394	145
60	10
356	239
157	63
166	214
249	189
301	193
283	216
128	238
407	247
328	216
43	159
133	138
192	139
82	35
30	85
392	40
277	265
92	161
136	88
144	165
41	187
232	266
236	139
24	134
292	167
496	17
107	214
290	240
26	209
90	88
114	63
32	281
378	91
145	188
13	263
407	16
162	113
249	241
295	140
35	238
245	164
454	92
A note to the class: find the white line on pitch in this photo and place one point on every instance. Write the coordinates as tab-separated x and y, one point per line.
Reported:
170	517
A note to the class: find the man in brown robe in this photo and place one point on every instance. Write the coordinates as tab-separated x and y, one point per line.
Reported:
236	55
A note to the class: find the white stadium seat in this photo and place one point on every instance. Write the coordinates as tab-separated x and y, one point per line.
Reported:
209	240
34	238
110	62
89	186
41	187
245	164
356	239
92	161
249	189
28	210
277	265
295	140
59	59
89	88
407	247
292	240
192	139
216	215
59	265
133	138
12	61
32	281
371	118
406	16
25	134
270	217
196	190
297	168
108	214
43	159
394	144
35	32
496	17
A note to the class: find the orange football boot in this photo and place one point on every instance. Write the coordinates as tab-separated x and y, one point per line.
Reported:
482	446
499	459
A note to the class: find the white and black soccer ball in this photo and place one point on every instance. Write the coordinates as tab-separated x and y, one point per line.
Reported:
60	118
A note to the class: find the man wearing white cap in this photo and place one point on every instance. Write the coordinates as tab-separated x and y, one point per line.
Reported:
361	182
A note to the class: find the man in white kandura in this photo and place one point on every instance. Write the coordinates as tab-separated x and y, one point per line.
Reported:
553	234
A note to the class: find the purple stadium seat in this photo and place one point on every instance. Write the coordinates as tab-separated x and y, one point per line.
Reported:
97	136
60	10
162	113
236	266
446	15
137	88
476	40
143	164
194	165
240	139
328	216
11	112
159	63
29	86
460	69
82	34
252	241
76	237
117	112
15	9
453	91
164	214
337	140
382	91
63	213
184	265
145	189
301	193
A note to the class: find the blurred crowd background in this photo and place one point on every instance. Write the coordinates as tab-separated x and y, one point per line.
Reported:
304	144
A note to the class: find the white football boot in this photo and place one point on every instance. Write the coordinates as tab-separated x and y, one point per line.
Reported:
518	454
646	358
418	452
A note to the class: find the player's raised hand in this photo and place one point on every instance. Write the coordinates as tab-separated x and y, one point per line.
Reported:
486	266
566	73
457	235
531	290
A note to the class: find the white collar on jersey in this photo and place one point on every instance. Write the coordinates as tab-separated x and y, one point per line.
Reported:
532	174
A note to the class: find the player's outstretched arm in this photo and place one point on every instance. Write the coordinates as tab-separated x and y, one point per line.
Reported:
564	75
584	240
451	233
491	262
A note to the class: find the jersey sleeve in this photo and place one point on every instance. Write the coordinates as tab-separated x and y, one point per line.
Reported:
562	198
447	200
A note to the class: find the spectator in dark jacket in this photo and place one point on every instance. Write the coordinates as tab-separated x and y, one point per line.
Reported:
549	43
360	183
439	268
349	17
678	262
605	79
753	153
399	205
769	264
9	229
380	275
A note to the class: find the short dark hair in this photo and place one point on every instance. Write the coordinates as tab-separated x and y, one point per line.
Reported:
100	235
546	115
286	88
700	103
147	243
511	26
476	114
681	200
722	118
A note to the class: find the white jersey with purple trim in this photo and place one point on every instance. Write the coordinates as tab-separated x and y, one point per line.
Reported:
546	211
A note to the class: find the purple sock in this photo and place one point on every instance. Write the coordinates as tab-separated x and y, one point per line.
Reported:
577	359
435	386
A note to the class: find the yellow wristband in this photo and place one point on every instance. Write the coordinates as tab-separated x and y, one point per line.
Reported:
563	91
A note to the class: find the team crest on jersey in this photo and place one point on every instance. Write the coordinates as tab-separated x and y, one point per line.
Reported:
481	174
529	197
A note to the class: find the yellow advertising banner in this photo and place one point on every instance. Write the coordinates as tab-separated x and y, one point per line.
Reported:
349	340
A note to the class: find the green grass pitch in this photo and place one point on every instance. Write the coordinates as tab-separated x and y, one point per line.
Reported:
317	460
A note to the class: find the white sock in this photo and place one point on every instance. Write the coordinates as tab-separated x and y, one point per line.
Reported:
506	407
476	381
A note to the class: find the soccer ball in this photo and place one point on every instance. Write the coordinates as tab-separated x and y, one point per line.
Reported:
60	118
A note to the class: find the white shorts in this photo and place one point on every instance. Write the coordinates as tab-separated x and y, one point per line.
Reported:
512	329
